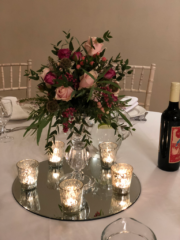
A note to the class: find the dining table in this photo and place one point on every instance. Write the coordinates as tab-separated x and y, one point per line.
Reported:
158	206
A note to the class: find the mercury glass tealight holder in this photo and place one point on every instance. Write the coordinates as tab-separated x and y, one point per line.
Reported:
56	158
121	178
71	195
108	152
28	170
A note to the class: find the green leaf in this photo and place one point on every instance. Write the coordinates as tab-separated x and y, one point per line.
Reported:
114	125
126	62
70	135
42	125
82	92
92	43
71	47
76	130
53	133
64	32
68	148
129	72
125	118
128	67
99	40
59	42
73	94
54	52
90	94
68	36
102	53
111	83
85	50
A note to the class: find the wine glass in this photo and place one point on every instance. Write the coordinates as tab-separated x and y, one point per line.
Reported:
6	109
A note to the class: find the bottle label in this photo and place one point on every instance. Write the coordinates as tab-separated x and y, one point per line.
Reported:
174	152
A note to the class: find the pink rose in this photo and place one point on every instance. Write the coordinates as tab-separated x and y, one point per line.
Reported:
91	51
110	74
63	93
86	81
64	53
77	56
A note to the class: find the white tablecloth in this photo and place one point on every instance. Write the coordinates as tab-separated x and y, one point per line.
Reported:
158	206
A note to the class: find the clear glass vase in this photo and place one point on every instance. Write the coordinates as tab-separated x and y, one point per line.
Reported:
104	133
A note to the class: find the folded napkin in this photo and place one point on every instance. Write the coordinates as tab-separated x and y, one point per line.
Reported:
18	113
132	103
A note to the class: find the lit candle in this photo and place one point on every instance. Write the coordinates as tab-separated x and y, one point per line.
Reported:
28	173
108	154
121	178
56	158
70	195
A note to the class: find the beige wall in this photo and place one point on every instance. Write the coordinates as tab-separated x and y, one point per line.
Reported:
144	31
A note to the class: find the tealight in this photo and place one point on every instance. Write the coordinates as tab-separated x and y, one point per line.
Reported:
121	178
28	173
108	152
56	158
71	195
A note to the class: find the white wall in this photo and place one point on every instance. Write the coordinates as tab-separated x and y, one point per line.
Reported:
144	31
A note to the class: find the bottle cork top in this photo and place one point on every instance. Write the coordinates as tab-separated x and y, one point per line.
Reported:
174	93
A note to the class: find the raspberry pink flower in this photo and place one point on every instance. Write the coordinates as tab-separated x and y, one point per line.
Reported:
103	59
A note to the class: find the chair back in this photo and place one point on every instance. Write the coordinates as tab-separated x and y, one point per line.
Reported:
19	87
138	89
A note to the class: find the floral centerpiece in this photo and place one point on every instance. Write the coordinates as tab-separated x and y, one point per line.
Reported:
78	83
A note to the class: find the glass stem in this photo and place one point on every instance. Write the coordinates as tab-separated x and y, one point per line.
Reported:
3	131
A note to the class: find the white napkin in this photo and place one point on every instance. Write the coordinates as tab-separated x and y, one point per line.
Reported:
18	113
133	103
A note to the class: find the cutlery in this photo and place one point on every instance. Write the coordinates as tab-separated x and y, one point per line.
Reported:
17	129
140	118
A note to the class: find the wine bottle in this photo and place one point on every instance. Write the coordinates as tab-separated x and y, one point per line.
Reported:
169	141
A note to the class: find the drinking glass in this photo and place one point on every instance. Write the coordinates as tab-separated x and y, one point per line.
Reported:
127	229
6	109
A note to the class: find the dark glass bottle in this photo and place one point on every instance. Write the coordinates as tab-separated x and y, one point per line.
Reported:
169	141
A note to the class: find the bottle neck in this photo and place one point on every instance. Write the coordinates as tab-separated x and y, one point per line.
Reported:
173	105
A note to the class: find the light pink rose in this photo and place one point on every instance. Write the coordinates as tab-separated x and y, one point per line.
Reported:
63	93
45	71
86	81
91	51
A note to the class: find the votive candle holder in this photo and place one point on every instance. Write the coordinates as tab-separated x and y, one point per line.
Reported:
28	170
121	178
108	152
71	195
56	158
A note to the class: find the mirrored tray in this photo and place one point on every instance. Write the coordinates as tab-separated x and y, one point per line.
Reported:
98	202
